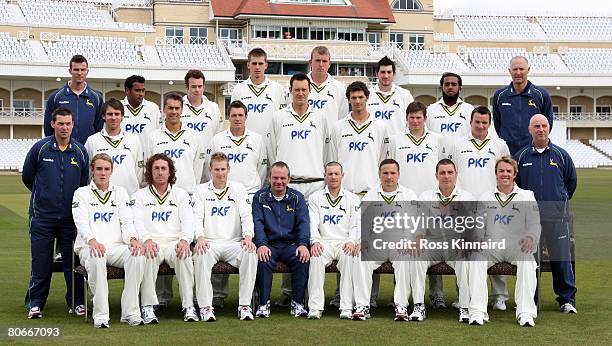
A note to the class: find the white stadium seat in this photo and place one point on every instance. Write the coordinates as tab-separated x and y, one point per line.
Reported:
588	60
15	151
195	55
12	49
98	50
584	156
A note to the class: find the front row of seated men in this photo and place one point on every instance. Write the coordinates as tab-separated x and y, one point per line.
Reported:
161	221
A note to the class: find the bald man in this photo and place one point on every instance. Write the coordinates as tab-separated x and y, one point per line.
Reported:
549	172
516	103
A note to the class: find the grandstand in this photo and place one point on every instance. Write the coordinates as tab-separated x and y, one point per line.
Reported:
14	50
99	50
497	59
15	151
190	56
603	145
588	60
585	156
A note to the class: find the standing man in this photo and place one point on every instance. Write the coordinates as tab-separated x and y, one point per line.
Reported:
359	142
124	148
141	117
163	218
179	143
327	93
106	236
417	150
389	192
514	105
224	232
84	102
448	116
245	150
548	171
282	233
199	113
298	136
247	156
334	230
389	101
521	233
475	157
53	170
262	96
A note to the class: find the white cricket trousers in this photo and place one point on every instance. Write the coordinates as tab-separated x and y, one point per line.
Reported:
118	255
418	271
362	280
182	267
332	250
526	281
232	253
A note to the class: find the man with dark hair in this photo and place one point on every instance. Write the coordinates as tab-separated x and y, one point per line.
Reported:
141	116
199	113
515	104
163	218
84	102
327	93
475	157
449	115
261	95
389	191
282	233
53	169
179	143
416	149
359	142
389	101
549	172
124	148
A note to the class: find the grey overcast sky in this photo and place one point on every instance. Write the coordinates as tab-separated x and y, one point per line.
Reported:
525	7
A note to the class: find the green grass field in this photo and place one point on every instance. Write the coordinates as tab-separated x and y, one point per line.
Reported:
592	325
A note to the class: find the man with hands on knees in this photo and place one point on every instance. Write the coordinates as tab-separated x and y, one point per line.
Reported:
163	217
106	236
223	232
282	233
334	231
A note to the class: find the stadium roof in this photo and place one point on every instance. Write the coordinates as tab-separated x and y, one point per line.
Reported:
370	10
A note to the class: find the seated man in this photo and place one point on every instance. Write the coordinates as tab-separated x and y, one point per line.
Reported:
164	220
512	215
389	192
106	236
223	232
282	233
439	203
334	230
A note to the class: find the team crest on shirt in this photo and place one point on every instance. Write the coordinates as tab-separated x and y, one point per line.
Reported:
289	209
73	161
89	103
531	103
552	163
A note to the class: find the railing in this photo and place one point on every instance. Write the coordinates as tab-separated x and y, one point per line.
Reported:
583	116
301	51
22	113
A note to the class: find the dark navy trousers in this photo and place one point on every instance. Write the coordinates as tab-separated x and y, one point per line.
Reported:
556	237
43	233
283	252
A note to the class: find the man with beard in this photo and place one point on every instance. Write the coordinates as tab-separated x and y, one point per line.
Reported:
449	116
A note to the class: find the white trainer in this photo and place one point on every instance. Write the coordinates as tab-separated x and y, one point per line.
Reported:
476	320
499	305
346	314
401	315
207	314
524	320
568	308
314	314
190	315
35	312
101	325
361	313
148	315
245	313
263	310
418	313
464	315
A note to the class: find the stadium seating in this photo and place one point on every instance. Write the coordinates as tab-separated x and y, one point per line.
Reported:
585	156
6	15
424	60
98	50
577	28
497	59
604	145
12	49
15	151
588	60
64	13
495	28
195	55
